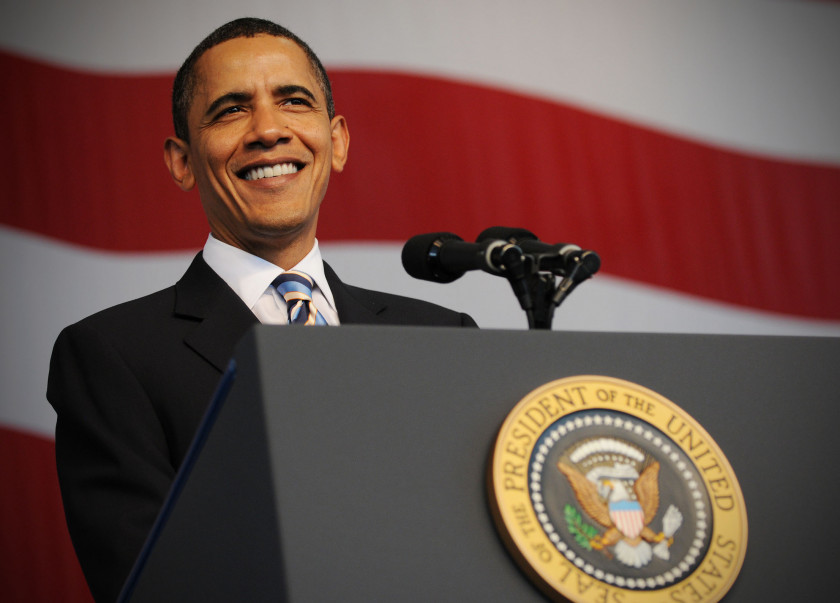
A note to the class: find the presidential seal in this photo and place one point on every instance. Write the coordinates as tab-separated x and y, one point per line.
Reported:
605	491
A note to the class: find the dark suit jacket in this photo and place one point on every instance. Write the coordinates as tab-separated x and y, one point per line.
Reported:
130	385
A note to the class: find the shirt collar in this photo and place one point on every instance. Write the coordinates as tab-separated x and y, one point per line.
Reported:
249	276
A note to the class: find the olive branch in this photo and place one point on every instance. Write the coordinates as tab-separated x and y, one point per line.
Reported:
583	532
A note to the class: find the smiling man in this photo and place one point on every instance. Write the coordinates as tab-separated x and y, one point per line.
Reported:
260	144
256	133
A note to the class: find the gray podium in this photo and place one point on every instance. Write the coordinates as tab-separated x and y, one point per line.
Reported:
348	464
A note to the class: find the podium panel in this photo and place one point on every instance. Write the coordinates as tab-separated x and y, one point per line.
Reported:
349	464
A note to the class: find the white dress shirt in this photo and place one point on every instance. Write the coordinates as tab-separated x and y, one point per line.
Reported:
250	277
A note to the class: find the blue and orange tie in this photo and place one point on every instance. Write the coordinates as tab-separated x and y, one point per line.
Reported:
296	289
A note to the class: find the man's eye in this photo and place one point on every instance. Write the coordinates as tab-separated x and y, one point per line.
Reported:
228	111
297	102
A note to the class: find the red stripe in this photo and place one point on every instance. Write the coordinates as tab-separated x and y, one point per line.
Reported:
630	523
83	160
37	562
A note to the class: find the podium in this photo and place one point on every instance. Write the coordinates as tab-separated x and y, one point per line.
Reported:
349	464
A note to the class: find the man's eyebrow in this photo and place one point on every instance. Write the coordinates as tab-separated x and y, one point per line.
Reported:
292	89
230	97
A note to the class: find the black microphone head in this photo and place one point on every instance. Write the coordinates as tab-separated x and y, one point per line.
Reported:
505	233
591	262
420	257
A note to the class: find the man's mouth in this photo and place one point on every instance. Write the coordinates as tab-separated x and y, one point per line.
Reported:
269	171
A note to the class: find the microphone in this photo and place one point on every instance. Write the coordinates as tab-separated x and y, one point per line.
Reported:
562	259
443	257
531	266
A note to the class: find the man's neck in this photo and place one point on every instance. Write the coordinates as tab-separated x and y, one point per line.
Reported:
283	253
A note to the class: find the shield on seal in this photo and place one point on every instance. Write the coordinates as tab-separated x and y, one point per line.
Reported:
628	517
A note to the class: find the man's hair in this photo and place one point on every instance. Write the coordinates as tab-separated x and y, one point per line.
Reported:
183	88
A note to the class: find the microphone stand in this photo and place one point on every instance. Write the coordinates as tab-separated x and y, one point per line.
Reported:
538	291
543	313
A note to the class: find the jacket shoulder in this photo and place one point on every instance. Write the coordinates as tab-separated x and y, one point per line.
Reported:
133	313
394	309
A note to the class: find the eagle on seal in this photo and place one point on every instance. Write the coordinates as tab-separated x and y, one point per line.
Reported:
625	513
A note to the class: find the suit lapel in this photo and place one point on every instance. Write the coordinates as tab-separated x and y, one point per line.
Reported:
354	305
221	317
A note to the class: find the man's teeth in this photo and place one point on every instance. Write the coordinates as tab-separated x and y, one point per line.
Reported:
281	169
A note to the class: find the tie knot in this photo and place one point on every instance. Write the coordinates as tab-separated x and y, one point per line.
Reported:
296	289
294	283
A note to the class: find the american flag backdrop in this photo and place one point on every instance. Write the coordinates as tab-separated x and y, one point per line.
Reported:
694	145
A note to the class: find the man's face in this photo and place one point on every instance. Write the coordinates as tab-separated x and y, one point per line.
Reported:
261	148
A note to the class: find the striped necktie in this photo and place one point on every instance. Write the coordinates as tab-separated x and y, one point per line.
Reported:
296	289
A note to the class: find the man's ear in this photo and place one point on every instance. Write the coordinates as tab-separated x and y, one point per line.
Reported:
176	154
340	142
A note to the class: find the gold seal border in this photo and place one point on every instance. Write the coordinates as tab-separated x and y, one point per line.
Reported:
517	523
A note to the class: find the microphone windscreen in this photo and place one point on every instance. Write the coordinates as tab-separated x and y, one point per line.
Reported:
591	262
420	257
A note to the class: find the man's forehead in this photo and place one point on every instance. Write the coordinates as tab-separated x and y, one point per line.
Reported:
234	63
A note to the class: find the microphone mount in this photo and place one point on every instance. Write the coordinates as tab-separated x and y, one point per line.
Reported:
544	265
541	275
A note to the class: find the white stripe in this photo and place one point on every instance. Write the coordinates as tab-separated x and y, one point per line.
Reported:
52	285
759	76
629	522
47	286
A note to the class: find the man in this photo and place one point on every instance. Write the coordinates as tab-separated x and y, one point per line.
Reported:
256	133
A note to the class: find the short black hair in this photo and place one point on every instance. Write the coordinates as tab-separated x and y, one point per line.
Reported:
183	88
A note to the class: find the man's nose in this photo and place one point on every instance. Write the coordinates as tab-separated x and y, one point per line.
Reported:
268	127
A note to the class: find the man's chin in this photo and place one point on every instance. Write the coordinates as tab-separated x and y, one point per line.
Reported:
282	235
